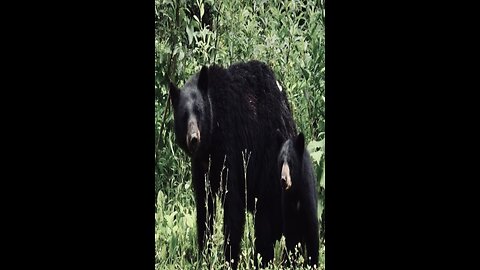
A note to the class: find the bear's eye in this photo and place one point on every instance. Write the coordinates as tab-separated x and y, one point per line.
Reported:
197	111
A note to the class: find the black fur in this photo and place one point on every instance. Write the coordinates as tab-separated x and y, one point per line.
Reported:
300	200
235	109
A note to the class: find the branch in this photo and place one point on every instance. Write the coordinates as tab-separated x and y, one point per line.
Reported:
217	32
167	108
158	168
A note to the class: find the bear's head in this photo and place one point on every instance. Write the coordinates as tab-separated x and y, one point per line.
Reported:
290	161
192	113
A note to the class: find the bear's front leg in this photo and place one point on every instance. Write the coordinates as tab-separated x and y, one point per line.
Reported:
204	200
233	222
264	239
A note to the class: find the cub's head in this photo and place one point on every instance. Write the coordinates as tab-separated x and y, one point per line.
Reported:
290	161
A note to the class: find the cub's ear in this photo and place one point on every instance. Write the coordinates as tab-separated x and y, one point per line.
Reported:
300	144
203	80
174	93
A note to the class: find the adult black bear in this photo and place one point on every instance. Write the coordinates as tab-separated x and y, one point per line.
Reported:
299	197
224	117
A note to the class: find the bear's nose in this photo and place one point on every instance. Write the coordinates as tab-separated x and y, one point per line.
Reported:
284	181
194	142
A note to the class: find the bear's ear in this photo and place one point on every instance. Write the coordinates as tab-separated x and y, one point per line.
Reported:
174	93
300	144
203	79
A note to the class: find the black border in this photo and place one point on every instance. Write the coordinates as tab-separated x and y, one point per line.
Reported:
392	129
90	136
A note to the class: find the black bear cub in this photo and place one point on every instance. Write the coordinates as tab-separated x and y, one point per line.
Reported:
299	198
225	120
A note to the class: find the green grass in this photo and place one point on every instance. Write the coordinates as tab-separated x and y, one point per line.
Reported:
175	237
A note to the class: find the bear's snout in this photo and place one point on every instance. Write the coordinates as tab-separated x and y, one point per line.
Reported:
193	136
193	142
284	182
285	176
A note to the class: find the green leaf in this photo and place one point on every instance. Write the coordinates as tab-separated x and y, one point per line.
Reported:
202	10
196	18
314	145
320	209
160	198
316	156
305	72
181	55
189	221
322	178
189	31
169	219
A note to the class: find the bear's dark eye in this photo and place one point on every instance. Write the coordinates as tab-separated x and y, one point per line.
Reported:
197	111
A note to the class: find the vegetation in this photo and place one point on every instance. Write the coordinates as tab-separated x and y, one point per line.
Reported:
289	36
